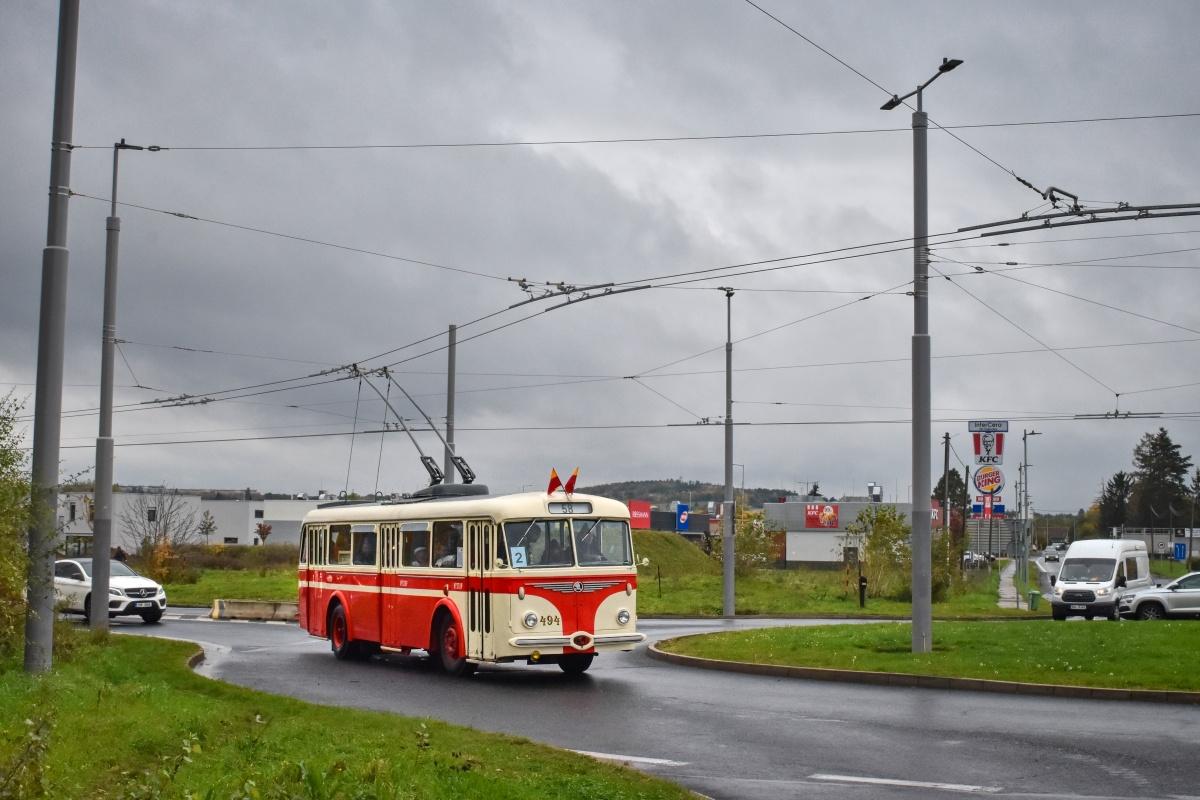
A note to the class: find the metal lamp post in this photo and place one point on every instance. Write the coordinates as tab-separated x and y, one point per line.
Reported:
922	566
729	608
102	521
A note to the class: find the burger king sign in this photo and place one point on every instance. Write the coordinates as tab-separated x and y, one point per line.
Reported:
989	480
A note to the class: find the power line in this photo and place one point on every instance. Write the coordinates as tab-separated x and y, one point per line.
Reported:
860	74
296	238
644	139
979	300
1072	239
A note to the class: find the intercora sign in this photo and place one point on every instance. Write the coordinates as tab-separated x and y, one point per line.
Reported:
989	480
820	515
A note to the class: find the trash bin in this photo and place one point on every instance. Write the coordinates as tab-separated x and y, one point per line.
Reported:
1034	597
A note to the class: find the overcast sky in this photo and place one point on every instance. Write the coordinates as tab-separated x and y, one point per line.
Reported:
553	391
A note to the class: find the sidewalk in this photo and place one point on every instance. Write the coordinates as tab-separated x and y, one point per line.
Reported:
1008	590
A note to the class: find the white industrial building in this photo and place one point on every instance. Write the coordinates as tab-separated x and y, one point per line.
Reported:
236	520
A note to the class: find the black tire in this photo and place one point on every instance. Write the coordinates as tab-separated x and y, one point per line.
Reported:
151	617
446	647
1057	614
1089	617
1115	614
339	635
576	665
1151	611
87	607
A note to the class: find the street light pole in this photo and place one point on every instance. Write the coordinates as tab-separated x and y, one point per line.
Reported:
922	559
1025	495
729	608
52	315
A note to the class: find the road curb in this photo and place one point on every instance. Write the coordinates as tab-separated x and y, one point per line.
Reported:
196	659
922	681
259	610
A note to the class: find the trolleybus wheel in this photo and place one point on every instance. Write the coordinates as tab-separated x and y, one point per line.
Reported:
576	665
447	649
339	635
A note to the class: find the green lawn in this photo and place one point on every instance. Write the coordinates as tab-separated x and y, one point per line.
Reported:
127	719
810	593
1126	655
1169	569
234	584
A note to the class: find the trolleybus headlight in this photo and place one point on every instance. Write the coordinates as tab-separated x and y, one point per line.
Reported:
623	617
530	619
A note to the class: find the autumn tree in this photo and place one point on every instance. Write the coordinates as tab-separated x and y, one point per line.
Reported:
263	529
160	517
14	520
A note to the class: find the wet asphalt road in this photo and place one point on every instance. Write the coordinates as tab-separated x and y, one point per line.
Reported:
739	736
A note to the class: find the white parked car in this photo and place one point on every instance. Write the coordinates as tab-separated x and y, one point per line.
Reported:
128	592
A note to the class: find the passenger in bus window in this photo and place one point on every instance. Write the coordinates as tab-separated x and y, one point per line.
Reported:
447	542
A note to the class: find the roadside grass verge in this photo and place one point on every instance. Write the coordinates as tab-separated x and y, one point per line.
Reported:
234	584
811	593
125	718
1124	655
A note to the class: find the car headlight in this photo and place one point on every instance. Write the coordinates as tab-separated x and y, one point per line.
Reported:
1103	591
623	617
116	592
529	620
1058	590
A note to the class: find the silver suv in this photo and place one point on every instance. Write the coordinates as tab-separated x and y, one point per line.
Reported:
1180	598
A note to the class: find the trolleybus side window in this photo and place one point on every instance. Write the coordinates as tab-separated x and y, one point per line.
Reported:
363	539
415	544
602	541
304	537
339	544
448	544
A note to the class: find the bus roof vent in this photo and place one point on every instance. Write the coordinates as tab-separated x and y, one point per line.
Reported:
452	490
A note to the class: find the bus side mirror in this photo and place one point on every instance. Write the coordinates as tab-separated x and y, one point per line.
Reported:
1121	582
645	562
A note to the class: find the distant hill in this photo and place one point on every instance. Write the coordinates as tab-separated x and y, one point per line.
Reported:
662	493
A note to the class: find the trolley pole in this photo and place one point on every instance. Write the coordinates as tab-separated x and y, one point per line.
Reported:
727	545
450	369
47	428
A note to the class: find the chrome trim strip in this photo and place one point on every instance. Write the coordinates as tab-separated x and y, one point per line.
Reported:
543	641
621	638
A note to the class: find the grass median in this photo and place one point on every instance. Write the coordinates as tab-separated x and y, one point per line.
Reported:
234	584
1126	655
124	717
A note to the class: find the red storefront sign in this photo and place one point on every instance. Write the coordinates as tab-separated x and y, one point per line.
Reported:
820	515
639	515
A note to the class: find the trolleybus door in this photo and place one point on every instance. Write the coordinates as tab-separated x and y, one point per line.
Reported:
318	543
478	619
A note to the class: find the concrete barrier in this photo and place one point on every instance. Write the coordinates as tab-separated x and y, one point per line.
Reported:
260	610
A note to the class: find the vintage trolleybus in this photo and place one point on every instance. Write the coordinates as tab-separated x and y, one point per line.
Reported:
472	578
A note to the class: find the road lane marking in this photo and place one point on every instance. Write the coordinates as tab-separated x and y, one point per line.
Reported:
658	762
945	787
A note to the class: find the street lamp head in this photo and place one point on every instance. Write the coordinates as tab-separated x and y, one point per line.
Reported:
890	104
949	64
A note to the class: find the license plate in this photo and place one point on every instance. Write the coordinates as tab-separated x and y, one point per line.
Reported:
1078	607
142	605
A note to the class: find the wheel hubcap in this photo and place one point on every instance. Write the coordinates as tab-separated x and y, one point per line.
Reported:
450	643
339	631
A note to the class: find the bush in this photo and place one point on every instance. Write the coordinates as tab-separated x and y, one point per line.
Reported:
14	522
225	556
887	555
755	545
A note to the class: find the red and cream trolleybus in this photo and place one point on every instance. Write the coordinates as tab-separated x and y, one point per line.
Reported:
472	577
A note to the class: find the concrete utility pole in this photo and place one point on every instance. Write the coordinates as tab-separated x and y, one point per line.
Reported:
102	521
946	484
727	545
450	369
1025	511
922	567
47	429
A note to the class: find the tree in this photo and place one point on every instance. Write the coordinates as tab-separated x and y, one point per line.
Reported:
14	522
1114	501
263	529
815	491
958	489
1159	470
207	526
154	519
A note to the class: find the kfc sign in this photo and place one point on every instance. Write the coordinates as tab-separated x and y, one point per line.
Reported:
639	515
820	515
989	448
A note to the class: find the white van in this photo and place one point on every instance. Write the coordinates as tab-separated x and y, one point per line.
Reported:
1094	573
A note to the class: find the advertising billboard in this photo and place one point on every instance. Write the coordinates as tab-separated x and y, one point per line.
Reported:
639	515
681	517
820	515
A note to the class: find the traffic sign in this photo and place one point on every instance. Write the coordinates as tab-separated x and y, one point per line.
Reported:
1181	551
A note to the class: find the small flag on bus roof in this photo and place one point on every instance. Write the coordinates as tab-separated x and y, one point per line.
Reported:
555	483
570	486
